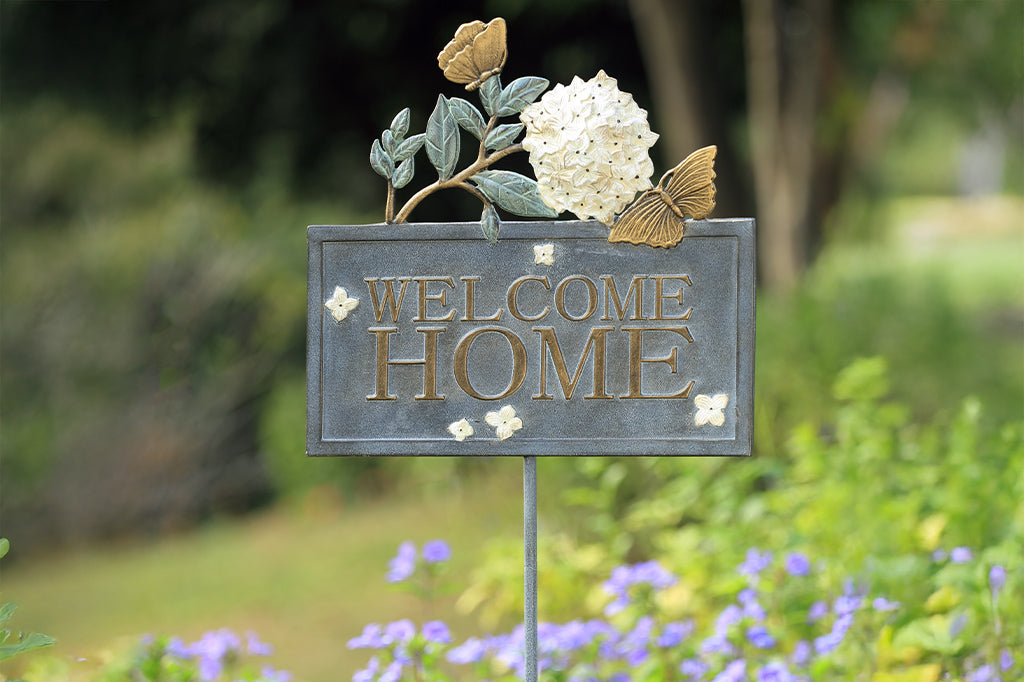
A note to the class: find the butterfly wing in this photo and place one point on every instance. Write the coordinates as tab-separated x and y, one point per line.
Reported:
648	221
692	185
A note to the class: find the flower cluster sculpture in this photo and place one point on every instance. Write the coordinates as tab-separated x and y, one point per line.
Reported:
588	144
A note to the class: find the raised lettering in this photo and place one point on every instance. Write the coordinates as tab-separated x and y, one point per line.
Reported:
389	296
462	361
591	301
637	360
471	303
549	343
636	286
439	297
513	300
384	363
659	296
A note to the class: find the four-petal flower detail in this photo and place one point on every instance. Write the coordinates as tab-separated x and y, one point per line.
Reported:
461	429
544	254
504	421
709	409
341	304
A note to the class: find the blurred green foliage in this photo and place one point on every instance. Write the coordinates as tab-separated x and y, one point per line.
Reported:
866	492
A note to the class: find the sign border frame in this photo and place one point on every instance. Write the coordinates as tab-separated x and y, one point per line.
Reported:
743	229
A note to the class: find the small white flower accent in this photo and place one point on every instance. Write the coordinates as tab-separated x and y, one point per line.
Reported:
341	304
461	429
504	421
544	254
588	143
709	409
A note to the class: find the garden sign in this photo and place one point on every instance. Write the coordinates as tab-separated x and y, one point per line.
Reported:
627	332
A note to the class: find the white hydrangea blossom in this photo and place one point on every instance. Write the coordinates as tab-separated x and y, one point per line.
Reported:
588	145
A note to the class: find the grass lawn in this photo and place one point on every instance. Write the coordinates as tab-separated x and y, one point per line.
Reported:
306	576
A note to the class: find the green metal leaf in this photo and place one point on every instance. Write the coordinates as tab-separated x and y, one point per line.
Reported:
468	116
28	642
387	140
490	94
409	147
503	135
519	93
400	126
404	173
380	161
442	140
513	192
490	224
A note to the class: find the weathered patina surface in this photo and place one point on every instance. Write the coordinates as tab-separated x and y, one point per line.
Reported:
552	341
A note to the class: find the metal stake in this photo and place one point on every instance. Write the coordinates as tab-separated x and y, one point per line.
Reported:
530	567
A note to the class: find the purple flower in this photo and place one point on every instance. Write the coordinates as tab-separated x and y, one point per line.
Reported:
369	673
817	611
393	673
623	578
403	564
760	637
801	653
775	672
470	651
734	672
436	551
178	649
716	644
269	674
996	579
847	604
1005	660
729	616
828	642
372	638
693	668
960	555
436	631
755	562
797	564
401	631
883	604
211	651
985	673
674	633
256	647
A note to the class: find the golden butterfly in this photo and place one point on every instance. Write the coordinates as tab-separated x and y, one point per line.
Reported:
658	218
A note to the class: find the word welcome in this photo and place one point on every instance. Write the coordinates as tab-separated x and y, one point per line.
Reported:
654	306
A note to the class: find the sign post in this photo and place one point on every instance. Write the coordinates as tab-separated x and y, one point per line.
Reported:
629	332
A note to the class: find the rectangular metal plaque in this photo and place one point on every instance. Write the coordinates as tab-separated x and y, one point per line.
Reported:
611	349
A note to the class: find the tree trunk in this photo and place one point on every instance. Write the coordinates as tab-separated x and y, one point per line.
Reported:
783	89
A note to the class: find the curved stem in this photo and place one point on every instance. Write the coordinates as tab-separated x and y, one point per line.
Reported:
458	180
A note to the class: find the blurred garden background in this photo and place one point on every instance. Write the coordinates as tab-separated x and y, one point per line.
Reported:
159	162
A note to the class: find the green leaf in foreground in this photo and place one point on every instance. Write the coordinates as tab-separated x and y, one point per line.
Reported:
380	161
513	192
404	173
489	224
503	135
443	139
400	126
519	93
490	94
409	147
468	116
28	642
